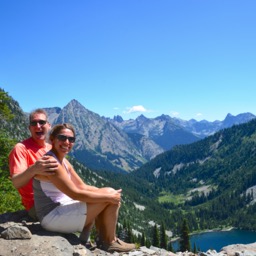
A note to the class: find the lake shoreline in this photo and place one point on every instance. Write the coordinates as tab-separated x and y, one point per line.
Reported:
205	231
216	239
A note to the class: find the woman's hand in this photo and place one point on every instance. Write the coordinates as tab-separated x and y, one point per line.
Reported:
115	196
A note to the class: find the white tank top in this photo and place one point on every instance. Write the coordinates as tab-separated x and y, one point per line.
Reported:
47	196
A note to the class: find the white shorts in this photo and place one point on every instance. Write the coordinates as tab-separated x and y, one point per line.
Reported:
66	218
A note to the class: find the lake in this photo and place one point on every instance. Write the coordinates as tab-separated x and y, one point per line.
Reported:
218	239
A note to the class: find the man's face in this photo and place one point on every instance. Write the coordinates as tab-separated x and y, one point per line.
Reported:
39	127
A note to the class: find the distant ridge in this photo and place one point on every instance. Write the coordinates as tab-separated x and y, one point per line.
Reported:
125	145
122	145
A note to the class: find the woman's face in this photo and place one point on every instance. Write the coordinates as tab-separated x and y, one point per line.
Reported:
64	141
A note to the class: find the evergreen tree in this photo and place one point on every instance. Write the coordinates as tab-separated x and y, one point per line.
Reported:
163	237
169	247
129	236
194	248
125	224
5	112
9	197
184	237
155	236
122	231
148	244
125	232
143	240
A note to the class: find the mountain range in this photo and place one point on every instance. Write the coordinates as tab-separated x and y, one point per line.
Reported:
121	145
211	182
125	145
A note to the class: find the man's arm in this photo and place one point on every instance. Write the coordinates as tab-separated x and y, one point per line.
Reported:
43	166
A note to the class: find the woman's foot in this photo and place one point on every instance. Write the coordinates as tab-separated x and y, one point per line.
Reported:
118	246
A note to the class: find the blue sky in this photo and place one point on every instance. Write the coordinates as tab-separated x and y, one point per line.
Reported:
183	58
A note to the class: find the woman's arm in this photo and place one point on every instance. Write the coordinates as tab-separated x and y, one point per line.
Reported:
69	187
82	185
77	180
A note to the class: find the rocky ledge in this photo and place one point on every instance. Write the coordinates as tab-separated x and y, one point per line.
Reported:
20	236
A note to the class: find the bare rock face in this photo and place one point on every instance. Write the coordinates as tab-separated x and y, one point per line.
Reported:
37	245
19	236
240	249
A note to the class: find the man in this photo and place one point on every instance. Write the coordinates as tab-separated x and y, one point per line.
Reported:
27	159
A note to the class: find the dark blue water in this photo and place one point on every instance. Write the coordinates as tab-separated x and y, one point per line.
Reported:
218	239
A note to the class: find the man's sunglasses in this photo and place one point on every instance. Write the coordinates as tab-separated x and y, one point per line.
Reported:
41	122
64	138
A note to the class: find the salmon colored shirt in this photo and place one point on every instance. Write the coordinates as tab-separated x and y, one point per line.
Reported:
23	155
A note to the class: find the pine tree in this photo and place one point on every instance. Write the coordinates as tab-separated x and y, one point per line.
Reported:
163	237
142	240
122	231
5	112
148	244
9	197
155	236
169	247
194	248
184	237
129	236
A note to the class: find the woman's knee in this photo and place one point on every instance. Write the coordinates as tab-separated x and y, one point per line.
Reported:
108	190
114	207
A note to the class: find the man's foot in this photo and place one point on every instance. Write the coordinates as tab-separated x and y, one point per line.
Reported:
118	246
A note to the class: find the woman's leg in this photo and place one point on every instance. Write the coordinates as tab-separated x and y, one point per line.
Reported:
105	216
93	210
84	236
106	223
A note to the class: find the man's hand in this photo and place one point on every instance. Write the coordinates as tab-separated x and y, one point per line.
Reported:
45	166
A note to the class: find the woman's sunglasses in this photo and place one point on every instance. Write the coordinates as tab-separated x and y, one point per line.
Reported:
64	138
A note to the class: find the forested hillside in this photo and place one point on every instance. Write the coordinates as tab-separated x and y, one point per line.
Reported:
9	197
210	183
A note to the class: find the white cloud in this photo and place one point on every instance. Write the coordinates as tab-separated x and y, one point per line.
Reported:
135	109
175	114
199	115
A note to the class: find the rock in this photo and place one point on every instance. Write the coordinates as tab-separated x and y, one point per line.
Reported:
16	232
37	245
161	251
240	249
147	250
211	253
21	236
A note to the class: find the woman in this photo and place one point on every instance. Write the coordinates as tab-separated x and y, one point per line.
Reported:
64	203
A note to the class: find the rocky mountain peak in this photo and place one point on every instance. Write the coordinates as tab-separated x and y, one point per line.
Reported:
118	119
141	118
240	118
110	143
